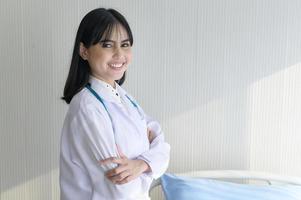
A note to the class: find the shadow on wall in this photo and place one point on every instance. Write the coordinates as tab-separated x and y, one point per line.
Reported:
242	130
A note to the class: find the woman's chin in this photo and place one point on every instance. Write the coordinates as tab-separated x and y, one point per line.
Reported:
118	77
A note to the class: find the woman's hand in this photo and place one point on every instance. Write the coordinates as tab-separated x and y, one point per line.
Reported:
151	136
127	169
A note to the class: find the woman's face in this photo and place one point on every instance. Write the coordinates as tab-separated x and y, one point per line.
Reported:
109	59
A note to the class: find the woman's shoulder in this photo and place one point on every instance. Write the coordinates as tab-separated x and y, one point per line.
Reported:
83	102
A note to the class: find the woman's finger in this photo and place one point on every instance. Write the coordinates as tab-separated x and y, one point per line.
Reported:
120	177
116	171
150	135
125	180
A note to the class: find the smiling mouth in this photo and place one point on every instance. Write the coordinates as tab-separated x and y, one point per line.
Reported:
117	66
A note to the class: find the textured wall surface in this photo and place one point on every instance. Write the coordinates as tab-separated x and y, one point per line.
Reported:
222	77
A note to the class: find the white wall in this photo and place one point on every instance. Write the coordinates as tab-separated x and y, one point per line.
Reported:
223	78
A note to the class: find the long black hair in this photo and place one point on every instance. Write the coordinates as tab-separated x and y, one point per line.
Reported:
96	25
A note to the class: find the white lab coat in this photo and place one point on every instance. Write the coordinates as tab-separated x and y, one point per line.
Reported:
88	137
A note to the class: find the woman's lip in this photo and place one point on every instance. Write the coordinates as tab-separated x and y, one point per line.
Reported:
117	68
116	65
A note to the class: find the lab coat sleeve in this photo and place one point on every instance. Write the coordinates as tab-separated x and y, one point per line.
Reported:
92	140
157	157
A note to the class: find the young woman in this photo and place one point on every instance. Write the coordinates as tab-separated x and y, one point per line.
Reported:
109	148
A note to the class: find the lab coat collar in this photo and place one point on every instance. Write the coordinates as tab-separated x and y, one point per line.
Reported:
106	91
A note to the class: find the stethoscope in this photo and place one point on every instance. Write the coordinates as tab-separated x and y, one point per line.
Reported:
99	98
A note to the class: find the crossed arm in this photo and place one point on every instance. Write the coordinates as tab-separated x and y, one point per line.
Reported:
127	169
89	127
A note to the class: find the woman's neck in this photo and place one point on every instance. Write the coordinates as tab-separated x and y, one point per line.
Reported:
112	83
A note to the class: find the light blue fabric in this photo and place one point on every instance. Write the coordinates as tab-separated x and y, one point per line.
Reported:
181	188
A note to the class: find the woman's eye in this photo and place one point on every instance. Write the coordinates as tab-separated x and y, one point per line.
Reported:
106	45
125	45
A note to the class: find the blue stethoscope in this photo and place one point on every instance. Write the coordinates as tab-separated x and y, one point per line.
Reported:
88	86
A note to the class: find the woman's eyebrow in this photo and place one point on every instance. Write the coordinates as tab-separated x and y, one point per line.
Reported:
126	40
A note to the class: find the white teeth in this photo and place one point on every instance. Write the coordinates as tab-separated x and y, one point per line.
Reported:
116	65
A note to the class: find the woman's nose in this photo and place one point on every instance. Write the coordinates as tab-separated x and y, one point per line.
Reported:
118	52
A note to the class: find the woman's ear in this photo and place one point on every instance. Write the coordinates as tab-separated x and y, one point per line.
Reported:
83	51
